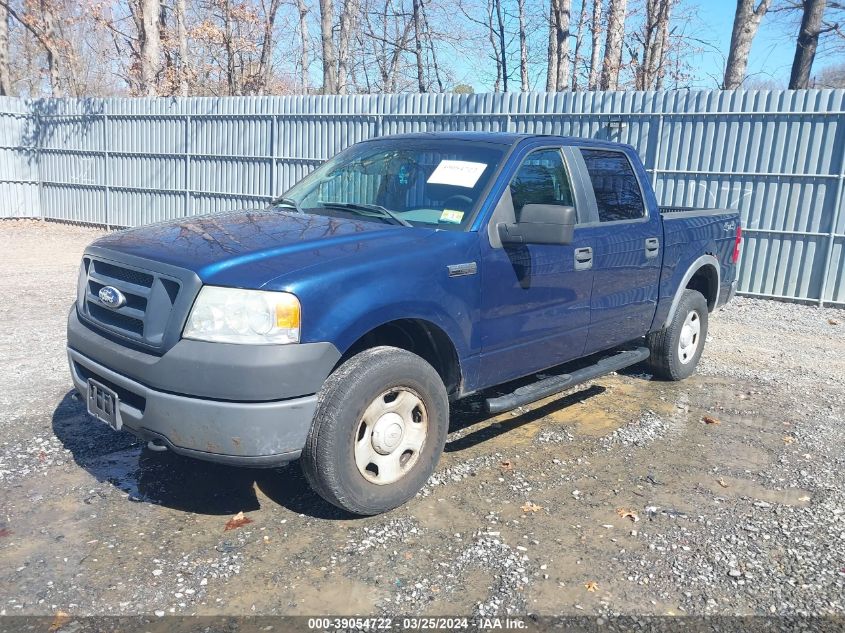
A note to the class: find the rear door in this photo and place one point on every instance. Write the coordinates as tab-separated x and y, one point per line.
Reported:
627	252
535	297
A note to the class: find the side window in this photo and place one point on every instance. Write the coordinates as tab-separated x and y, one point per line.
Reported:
541	179
617	190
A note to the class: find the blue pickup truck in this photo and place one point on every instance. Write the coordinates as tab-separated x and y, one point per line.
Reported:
407	272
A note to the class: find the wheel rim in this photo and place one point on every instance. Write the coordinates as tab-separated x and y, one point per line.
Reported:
690	337
391	435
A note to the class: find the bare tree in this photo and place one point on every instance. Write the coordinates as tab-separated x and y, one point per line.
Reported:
653	40
5	76
503	49
577	58
501	75
348	18
182	48
808	40
613	45
329	53
557	77
262	79
418	46
302	11
43	28
523	48
747	19
595	45
149	41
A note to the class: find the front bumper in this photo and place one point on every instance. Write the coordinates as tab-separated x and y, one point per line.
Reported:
250	406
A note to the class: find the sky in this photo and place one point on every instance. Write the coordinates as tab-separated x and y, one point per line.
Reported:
771	52
769	64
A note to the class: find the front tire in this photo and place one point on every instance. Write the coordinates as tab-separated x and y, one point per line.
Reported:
378	432
676	349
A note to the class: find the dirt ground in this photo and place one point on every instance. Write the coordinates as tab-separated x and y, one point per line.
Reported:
616	498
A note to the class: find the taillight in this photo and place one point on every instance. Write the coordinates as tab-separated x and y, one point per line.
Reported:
737	242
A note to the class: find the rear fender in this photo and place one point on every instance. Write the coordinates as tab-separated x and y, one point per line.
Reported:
694	267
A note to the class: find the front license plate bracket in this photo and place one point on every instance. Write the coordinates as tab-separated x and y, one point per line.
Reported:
103	404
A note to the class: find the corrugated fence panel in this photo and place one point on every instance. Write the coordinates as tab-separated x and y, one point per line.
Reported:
777	156
18	162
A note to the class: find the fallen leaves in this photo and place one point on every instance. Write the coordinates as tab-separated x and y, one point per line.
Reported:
710	420
628	514
239	520
788	439
722	482
832	322
61	618
591	586
528	506
506	466
5	532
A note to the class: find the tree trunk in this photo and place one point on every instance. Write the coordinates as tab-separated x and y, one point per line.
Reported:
303	43
595	45
265	61
348	17
551	71
564	10
329	53
808	41
502	45
523	48
418	49
432	48
661	54
613	45
491	34
182	45
50	40
656	30
5	78
746	21
150	46
579	41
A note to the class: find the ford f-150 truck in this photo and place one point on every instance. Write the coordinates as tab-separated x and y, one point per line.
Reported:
337	325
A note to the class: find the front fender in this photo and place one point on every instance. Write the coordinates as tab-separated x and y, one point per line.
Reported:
343	302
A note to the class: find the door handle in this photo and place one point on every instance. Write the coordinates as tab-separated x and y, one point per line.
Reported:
652	247
583	258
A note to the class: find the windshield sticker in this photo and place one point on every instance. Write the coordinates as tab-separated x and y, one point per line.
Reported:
451	216
459	173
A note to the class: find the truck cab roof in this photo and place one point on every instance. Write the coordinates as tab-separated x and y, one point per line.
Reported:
499	138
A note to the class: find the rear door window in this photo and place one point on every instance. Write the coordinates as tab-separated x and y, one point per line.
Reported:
618	194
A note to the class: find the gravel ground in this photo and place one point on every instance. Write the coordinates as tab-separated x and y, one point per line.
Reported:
615	498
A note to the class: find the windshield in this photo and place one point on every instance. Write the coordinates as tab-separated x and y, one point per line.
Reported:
413	182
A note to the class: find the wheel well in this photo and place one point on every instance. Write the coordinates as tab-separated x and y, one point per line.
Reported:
706	281
420	337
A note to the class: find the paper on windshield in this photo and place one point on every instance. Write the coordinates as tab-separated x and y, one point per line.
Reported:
459	173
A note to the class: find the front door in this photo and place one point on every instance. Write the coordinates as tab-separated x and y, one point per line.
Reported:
535	297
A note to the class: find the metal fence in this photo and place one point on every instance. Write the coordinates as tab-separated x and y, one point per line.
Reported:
778	156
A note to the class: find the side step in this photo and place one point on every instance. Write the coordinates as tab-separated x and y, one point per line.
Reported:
550	386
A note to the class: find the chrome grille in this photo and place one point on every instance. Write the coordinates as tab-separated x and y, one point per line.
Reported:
150	300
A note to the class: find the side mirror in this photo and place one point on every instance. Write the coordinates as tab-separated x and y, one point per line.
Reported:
540	224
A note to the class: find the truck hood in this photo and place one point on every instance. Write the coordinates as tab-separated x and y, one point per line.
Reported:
248	248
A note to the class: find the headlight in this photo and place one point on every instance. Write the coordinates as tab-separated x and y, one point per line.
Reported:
232	315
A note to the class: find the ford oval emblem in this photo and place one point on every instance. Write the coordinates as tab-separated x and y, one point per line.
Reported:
111	297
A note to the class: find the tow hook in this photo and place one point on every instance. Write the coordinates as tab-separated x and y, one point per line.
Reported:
156	445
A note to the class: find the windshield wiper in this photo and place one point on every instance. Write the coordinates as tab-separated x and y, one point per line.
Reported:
368	210
287	201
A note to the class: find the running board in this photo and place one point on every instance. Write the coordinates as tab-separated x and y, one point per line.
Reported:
555	384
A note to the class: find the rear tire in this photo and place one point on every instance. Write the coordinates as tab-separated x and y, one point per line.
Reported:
676	349
378	432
